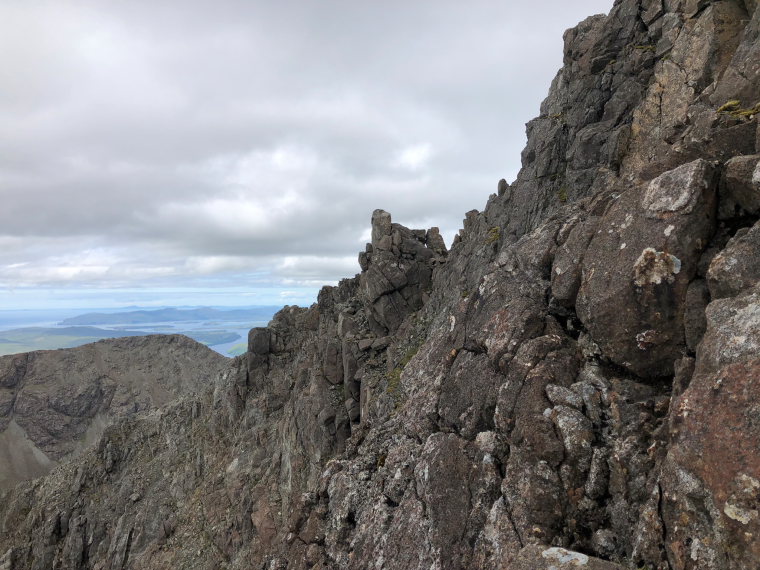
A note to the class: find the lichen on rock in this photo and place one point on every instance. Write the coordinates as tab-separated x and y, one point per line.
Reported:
655	267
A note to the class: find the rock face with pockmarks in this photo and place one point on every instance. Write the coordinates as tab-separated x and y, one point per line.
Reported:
574	383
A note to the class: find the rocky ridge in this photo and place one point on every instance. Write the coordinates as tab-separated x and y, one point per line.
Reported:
572	384
54	403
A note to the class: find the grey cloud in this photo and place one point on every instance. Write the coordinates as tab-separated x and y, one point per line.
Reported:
150	132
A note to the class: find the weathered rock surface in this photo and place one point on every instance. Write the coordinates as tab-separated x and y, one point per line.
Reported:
737	266
397	271
711	478
740	186
54	403
573	384
639	264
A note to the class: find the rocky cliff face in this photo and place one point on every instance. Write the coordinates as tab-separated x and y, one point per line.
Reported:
573	384
54	403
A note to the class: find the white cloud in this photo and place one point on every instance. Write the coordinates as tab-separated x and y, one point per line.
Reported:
313	270
414	157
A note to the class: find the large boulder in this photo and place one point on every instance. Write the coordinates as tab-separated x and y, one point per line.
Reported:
740	186
737	266
638	266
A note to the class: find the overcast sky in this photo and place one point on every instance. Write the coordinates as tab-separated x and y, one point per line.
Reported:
232	152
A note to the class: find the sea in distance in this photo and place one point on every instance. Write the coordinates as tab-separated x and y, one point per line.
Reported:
223	329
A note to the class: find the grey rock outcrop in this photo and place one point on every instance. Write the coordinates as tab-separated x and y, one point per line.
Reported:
572	384
397	271
740	186
737	266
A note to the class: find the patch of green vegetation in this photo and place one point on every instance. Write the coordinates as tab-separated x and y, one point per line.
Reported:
749	112
493	235
40	338
394	382
562	194
394	376
465	293
646	47
37	338
728	105
16	347
734	109
408	355
238	349
559	117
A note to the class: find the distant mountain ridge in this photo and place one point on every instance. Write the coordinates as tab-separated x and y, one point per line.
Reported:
55	403
172	314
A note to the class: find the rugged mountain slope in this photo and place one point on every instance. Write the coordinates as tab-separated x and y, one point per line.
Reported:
54	403
573	384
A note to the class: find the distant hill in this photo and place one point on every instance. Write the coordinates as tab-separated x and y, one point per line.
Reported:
54	404
172	314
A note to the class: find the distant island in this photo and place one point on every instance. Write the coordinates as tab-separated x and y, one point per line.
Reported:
173	315
221	329
43	338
